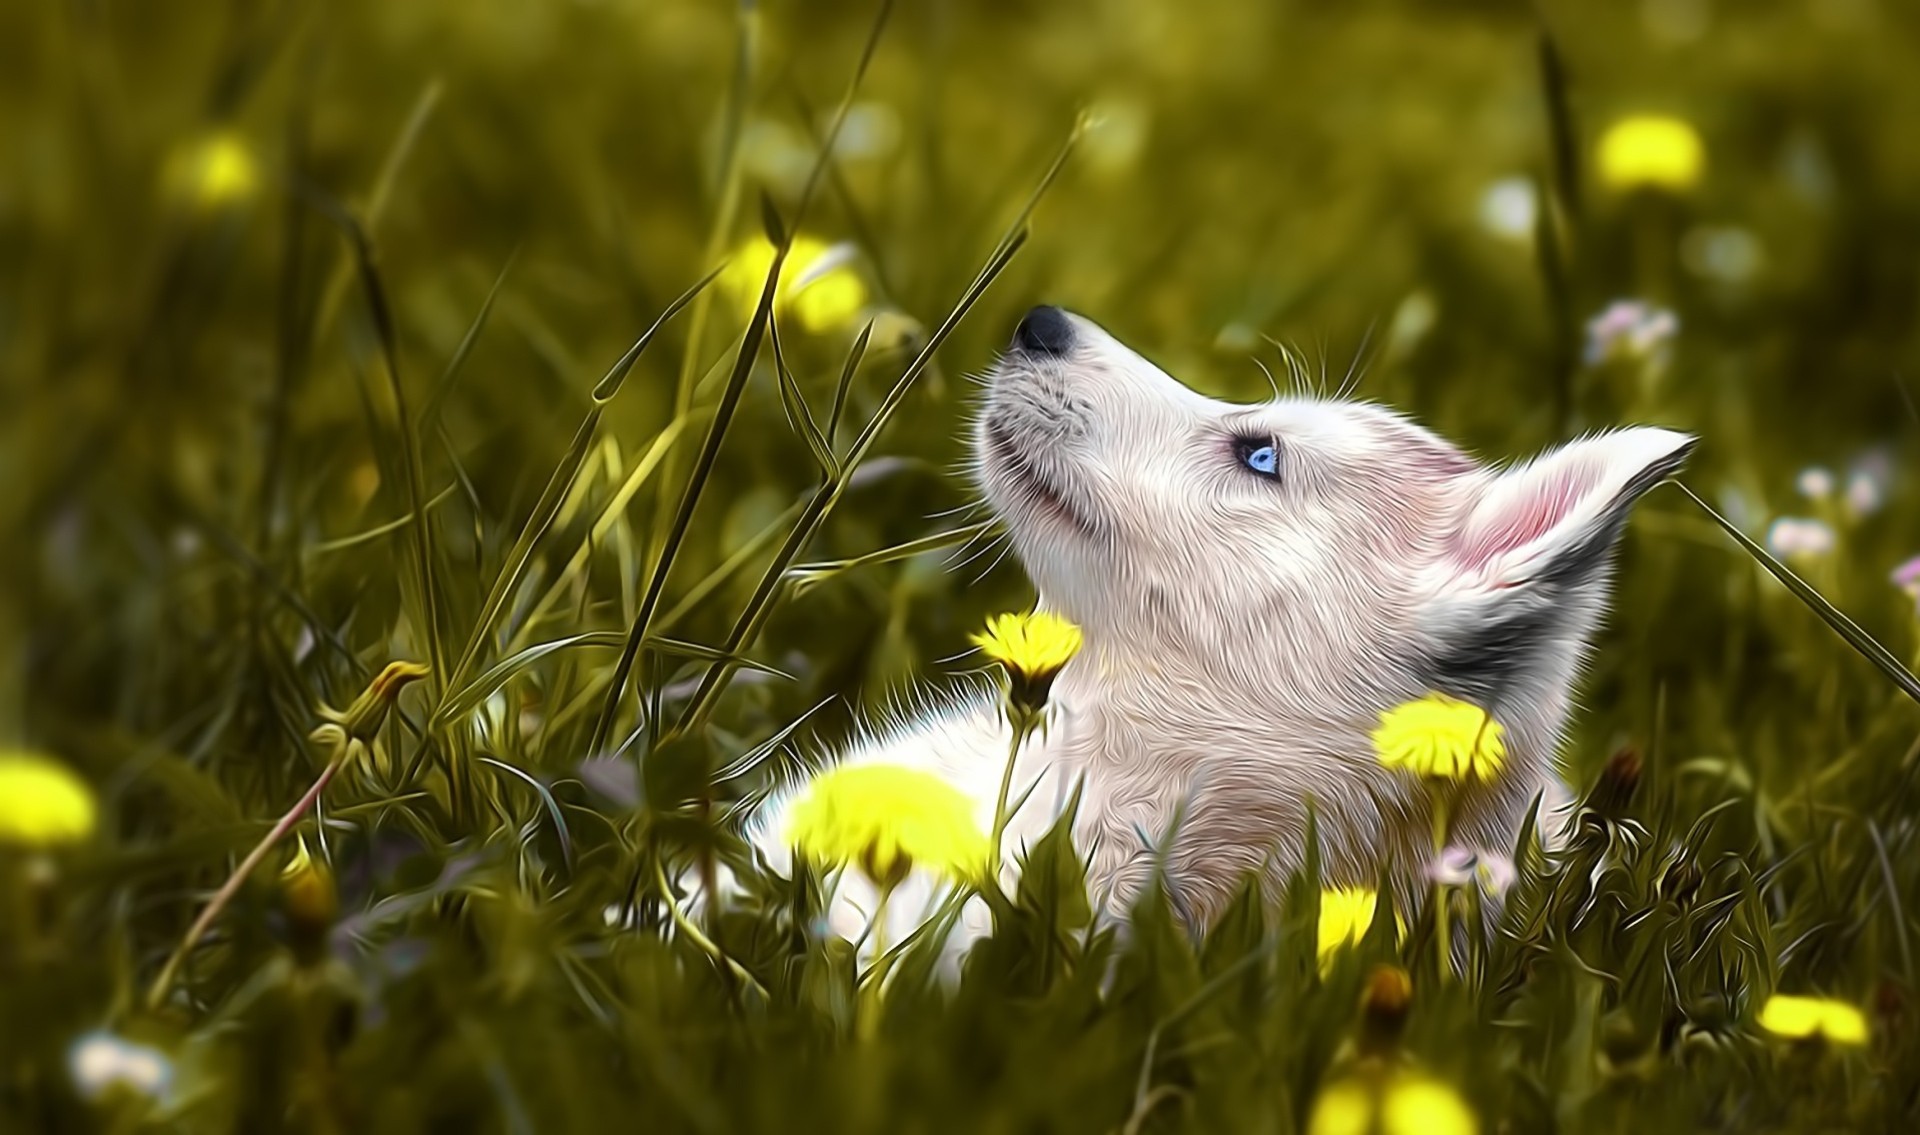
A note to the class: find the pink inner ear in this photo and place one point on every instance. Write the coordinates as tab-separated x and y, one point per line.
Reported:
1515	516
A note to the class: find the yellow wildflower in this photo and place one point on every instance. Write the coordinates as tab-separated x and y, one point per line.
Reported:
1650	151
1033	648
887	820
1404	1103
818	284
213	171
43	803
1441	737
1800	1018
1345	915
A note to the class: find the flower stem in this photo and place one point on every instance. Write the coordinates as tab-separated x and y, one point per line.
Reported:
697	936
157	995
1022	725
1443	899
867	1007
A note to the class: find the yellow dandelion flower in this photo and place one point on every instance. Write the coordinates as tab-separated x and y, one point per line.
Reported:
43	803
1801	1018
1345	914
1651	151
214	171
887	820
1345	1107
1441	737
1033	648
819	285
1405	1103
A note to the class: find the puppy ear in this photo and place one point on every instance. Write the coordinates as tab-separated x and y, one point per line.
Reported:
1524	565
1555	519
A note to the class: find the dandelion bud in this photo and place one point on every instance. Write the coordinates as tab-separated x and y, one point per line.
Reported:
363	719
1618	781
308	894
1384	1004
1620	1039
1681	880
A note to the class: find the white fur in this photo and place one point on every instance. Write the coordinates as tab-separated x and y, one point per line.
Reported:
1243	635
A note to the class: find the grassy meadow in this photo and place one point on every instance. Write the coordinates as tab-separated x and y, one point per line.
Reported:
339	335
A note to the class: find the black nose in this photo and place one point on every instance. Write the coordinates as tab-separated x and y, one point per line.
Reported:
1045	331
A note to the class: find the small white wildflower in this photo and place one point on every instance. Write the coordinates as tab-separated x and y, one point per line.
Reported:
1815	483
1863	495
1867	484
1907	578
871	130
1509	209
1453	867
1796	537
1458	867
1723	253
101	1061
1497	874
1631	330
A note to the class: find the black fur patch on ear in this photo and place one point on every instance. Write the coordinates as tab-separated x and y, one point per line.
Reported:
1480	664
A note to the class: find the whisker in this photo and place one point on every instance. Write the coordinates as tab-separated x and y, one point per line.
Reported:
1357	369
1271	381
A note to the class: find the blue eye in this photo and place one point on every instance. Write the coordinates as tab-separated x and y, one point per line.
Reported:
1263	457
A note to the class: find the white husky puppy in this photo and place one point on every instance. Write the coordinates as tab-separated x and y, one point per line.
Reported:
1256	583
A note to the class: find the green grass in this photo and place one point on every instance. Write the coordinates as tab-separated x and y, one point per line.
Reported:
448	379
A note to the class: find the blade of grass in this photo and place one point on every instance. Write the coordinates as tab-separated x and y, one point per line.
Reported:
1846	628
724	224
805	576
759	606
1557	226
610	515
424	552
546	800
695	486
829	494
470	696
698	593
382	192
731	180
847	372
342	543
794	402
560	482
430	413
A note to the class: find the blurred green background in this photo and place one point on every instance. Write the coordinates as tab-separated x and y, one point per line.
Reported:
207	500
